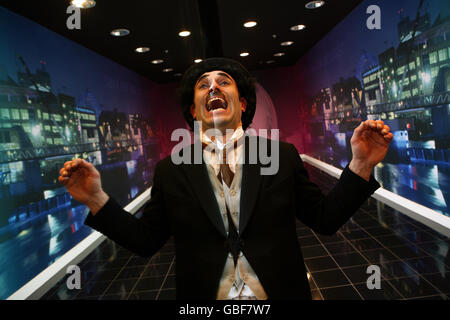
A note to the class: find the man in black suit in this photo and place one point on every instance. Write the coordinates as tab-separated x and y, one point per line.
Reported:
234	228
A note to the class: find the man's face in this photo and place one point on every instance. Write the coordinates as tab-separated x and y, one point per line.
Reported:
216	101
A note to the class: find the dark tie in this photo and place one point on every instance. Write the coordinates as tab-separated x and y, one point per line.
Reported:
225	173
234	242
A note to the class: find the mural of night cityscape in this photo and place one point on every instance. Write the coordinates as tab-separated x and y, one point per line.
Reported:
59	101
399	74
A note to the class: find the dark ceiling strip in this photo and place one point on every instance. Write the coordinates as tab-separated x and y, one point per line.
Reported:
209	17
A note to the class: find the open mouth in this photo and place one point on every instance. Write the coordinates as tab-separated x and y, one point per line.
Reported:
216	103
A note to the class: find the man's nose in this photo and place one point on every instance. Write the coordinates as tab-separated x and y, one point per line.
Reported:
214	86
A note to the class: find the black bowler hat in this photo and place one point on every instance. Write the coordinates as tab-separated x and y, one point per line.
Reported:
244	82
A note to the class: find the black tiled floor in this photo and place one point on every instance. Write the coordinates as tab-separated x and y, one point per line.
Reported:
440	281
329	278
144	295
308	241
366	244
379	231
357	274
341	293
169	283
427	265
121	286
416	286
319	264
151	283
414	261
340	247
349	259
396	269
408	252
131	272
155	270
315	294
379	255
167	294
387	292
314	251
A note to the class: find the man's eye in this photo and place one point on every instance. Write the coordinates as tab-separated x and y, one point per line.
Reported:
223	83
203	86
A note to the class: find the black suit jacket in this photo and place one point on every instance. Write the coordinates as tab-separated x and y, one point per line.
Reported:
183	204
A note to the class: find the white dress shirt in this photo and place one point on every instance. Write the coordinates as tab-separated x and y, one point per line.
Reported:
241	282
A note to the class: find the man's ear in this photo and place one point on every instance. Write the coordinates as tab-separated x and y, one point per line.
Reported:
194	114
243	104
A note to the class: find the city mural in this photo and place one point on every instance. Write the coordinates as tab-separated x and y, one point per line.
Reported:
399	74
60	101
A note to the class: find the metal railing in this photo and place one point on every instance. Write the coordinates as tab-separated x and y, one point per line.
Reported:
44	281
425	215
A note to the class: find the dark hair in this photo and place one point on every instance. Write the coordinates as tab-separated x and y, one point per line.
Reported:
244	82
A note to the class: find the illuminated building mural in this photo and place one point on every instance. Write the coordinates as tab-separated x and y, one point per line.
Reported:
399	74
52	112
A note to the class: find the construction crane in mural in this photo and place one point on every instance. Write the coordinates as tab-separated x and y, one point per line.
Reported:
44	100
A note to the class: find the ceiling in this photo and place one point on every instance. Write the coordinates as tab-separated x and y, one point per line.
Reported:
216	30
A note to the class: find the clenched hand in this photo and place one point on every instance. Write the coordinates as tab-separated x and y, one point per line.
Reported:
83	182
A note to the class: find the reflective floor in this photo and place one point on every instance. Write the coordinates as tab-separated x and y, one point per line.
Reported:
414	261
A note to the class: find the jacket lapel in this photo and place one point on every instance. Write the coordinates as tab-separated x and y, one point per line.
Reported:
251	181
201	185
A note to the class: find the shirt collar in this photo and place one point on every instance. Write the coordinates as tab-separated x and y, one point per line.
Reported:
237	134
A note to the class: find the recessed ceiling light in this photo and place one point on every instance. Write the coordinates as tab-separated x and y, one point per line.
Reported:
270	61
250	24
157	61
314	4
279	54
167	70
177	74
83	4
198	60
142	49
244	54
120	32
298	27
287	43
184	33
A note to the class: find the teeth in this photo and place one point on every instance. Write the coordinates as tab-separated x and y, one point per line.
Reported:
208	105
217	98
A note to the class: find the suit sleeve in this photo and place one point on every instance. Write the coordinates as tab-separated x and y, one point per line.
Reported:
325	214
144	236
